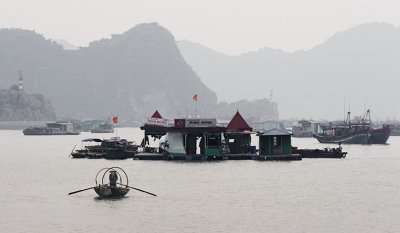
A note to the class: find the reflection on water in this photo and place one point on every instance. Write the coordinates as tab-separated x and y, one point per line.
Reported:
100	199
357	194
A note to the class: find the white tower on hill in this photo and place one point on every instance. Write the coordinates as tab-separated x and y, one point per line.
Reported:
20	81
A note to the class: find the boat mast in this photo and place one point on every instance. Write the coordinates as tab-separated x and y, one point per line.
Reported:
348	118
368	116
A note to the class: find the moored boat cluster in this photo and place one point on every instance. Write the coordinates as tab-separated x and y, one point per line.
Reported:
203	139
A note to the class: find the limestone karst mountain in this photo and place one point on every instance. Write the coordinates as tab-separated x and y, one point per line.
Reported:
130	74
17	105
358	68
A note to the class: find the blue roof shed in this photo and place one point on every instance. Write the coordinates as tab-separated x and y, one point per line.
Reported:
275	142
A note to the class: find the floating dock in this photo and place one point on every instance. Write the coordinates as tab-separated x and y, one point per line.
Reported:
197	157
288	157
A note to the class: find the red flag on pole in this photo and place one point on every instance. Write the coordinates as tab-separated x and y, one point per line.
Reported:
115	119
195	97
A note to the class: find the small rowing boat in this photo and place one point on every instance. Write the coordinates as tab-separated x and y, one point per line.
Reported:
111	183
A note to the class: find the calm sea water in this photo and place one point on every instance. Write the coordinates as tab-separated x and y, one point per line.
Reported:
358	194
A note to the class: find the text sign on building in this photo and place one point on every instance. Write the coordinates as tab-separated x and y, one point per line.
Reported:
157	121
180	123
193	123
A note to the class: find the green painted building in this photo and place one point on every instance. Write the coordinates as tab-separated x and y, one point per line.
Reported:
275	142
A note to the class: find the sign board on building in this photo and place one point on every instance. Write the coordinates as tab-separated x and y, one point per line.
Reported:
157	122
180	123
195	123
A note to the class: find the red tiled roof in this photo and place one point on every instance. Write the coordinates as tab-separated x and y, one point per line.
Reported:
238	124
156	114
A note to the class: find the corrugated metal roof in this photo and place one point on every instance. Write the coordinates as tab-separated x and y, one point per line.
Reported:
156	114
274	132
238	124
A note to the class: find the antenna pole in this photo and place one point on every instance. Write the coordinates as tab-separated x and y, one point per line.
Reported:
344	106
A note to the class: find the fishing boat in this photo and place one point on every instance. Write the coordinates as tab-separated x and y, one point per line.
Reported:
89	150
380	135
113	192
327	152
112	189
111	183
117	148
360	132
113	148
52	129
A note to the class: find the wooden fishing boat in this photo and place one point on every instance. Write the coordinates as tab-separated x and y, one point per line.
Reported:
329	153
107	191
111	183
57	128
114	148
361	132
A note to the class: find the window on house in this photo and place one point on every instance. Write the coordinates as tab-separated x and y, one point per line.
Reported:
276	141
213	140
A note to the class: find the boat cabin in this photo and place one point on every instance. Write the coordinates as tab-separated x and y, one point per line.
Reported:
61	127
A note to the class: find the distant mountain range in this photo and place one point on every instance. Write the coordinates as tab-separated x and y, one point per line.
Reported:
353	70
66	45
130	75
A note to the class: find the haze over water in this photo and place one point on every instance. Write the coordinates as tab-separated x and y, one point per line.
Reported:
357	194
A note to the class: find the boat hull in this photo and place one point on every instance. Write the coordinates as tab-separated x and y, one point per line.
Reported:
117	153
111	192
380	136
360	138
79	154
45	131
372	136
326	153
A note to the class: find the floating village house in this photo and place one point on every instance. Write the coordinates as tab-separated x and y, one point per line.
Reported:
187	137
94	126
305	128
156	127
238	133
203	138
276	144
66	127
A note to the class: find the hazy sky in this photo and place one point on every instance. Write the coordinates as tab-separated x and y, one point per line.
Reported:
227	26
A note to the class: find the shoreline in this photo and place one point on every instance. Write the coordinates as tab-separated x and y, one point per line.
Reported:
20	125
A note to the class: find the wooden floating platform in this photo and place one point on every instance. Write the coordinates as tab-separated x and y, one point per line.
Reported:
241	156
157	156
288	157
149	156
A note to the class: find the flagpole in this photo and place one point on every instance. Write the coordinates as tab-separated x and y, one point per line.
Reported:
115	121
195	99
197	114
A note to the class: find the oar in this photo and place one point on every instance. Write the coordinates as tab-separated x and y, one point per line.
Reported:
72	151
138	189
82	190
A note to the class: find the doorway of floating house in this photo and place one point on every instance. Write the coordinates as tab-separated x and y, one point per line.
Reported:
190	144
195	144
277	145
